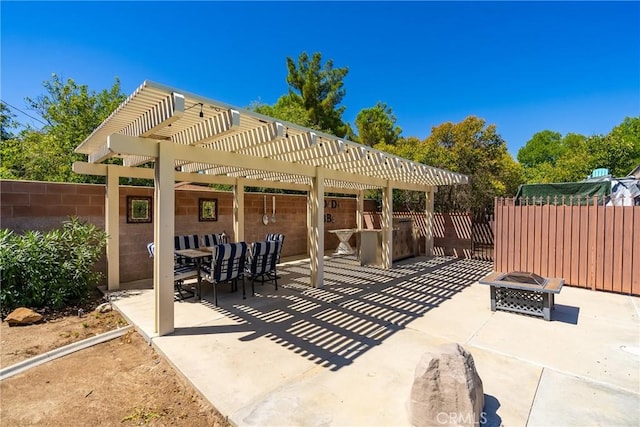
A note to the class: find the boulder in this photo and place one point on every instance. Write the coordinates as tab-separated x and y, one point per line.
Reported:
23	316
447	389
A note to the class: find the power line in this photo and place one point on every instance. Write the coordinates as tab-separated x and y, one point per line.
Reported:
26	114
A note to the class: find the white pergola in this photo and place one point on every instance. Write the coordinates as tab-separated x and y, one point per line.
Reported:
192	138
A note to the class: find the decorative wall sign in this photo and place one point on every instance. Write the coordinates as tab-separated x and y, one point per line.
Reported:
207	209
139	209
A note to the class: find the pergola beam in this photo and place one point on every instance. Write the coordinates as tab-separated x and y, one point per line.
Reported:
122	144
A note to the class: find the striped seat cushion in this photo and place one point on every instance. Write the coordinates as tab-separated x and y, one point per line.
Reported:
214	239
189	241
227	263
279	238
263	257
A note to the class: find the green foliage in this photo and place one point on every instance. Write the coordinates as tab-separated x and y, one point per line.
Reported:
7	122
71	112
286	108
49	269
315	91
549	157
470	147
544	147
377	125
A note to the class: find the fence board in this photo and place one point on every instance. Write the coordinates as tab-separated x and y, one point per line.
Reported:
560	210
510	236
544	240
517	240
583	246
608	258
600	258
617	238
553	241
566	244
574	265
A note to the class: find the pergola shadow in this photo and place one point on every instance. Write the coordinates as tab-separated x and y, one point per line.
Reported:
358	308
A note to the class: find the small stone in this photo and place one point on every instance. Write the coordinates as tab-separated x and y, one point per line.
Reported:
103	308
23	316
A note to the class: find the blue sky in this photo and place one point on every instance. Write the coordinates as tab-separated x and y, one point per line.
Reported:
525	67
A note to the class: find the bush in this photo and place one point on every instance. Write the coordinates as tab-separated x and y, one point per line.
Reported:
50	269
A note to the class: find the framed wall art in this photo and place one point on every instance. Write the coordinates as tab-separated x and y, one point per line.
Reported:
139	209
207	209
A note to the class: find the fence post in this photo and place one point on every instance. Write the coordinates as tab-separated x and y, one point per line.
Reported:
428	242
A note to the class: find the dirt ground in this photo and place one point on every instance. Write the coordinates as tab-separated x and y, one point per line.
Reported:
120	382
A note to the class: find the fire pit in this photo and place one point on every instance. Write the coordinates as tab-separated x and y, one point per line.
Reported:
522	292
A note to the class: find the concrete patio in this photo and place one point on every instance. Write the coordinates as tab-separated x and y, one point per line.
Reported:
345	355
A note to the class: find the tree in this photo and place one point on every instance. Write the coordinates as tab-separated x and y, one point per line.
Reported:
71	112
625	139
377	125
319	89
286	108
470	147
7	122
544	147
573	157
10	151
315	91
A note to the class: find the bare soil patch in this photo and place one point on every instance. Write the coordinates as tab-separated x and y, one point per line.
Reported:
120	382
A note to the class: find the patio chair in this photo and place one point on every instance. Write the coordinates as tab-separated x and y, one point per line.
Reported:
279	238
261	264
189	241
227	265
210	240
180	274
214	239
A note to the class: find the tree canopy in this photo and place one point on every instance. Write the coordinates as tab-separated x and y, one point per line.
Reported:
470	147
377	125
314	95
549	157
71	112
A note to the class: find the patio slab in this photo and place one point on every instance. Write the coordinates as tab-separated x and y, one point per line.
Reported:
345	355
559	394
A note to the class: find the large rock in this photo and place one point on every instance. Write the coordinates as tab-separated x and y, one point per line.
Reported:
447	389
23	316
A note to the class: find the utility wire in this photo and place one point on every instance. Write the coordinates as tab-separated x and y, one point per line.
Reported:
26	114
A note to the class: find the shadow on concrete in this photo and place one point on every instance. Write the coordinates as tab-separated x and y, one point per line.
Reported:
357	309
490	417
565	314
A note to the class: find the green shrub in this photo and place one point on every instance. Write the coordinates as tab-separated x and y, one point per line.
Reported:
50	269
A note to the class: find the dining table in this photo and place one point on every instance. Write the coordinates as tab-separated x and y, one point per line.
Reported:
196	255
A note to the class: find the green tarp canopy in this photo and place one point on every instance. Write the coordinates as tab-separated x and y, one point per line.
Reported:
575	193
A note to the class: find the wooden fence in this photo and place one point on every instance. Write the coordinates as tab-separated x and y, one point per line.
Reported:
587	243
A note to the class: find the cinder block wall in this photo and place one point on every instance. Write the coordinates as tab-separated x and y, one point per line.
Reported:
29	205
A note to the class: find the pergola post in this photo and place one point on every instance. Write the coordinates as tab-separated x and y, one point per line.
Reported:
359	209
112	228
428	242
164	230
316	231
238	210
387	226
